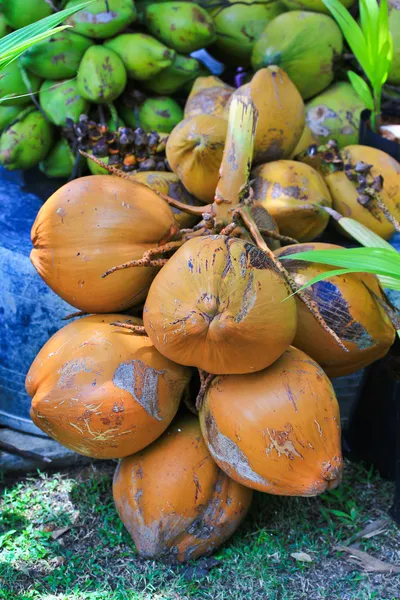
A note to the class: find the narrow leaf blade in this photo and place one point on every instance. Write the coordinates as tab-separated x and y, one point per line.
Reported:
353	34
362	89
25	33
379	261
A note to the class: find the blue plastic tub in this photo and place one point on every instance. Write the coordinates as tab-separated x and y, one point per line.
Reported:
29	311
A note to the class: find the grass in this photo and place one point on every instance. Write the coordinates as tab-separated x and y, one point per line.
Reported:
96	559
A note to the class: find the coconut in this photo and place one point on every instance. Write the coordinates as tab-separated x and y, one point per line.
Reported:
92	224
313	5
350	306
194	151
304	45
280	111
335	114
218	305
307	139
174	500
238	25
278	430
101	392
183	26
158	114
208	96
373	214
143	56
293	193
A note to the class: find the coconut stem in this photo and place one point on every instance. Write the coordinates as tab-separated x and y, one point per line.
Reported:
147	260
112	170
138	329
190	210
233	183
78	313
205	380
387	213
312	306
285	239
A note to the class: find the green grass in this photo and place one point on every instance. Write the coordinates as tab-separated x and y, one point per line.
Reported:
96	559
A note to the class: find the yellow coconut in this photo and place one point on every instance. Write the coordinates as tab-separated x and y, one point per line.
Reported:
293	193
281	115
194	151
346	197
170	185
209	96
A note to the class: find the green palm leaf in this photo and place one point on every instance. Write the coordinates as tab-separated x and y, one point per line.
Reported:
15	43
378	261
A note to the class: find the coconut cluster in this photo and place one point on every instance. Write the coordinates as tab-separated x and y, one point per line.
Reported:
213	299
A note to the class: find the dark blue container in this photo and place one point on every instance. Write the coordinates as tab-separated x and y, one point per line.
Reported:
29	311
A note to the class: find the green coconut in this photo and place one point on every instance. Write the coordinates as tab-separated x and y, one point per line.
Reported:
20	13
238	25
8	114
26	142
143	56
394	26
96	169
60	100
13	85
160	114
128	114
335	114
183	26
183	70
313	5
101	19
59	162
305	45
102	76
57	57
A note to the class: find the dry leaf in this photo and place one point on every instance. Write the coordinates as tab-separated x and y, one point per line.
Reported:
59	532
301	556
368	562
375	528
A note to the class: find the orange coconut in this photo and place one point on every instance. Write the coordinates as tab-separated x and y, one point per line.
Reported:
278	430
345	195
208	96
349	306
281	114
194	151
92	224
293	193
174	500
101	391
217	305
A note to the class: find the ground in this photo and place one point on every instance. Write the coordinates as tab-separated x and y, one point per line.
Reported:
95	559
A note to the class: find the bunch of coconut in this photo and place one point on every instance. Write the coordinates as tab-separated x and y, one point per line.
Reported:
161	301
